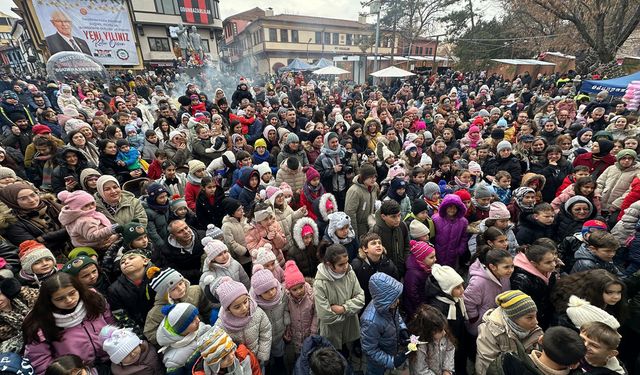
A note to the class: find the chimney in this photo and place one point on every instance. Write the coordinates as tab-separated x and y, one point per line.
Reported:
268	12
362	18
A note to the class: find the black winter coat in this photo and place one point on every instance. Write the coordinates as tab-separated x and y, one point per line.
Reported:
555	175
432	291
510	164
306	259
207	213
530	230
567	225
364	269
64	170
187	263
538	290
129	301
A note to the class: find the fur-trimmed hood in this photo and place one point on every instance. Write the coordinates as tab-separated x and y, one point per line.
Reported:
322	205
297	231
529	177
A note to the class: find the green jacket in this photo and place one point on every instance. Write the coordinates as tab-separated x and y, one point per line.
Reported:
360	205
129	208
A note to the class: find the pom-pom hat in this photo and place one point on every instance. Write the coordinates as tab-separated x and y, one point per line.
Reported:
581	312
262	280
215	345
163	281
228	290
30	252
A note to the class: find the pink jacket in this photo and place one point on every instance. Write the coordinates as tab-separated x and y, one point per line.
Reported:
82	340
257	237
85	228
479	297
569	193
304	321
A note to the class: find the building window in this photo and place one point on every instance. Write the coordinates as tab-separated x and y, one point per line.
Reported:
205	46
349	40
327	38
284	35
167	7
294	36
336	38
159	44
318	37
431	51
273	35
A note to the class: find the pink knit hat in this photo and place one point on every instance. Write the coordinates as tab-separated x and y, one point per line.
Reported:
212	248
75	200
286	188
474	129
306	230
228	290
498	210
292	275
312	173
262	280
420	249
395	171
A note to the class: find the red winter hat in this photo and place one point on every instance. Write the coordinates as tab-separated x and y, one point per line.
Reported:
479	121
312	173
292	275
463	194
40	129
420	249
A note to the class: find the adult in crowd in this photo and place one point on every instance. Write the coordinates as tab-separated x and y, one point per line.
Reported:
119	206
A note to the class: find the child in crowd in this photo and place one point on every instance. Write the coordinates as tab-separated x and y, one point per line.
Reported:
194	182
338	298
243	162
398	192
285	215
370	260
322	208
499	218
220	355
209	203
536	182
57	324
129	354
539	224
584	186
524	200
266	175
248	184
416	183
461	180
311	192
579	171
304	321
267	259
420	213
219	263
488	276
242	318
444	291
598	252
174	182
292	173
135	140
134	237
339	231
434	351
305	248
451	228
265	230
261	155
128	156
602	343
151	151
86	270
180	210
85	225
37	263
393	232
513	320
502	186
177	335
269	294
481	203
382	326
234	227
171	287
418	269
431	196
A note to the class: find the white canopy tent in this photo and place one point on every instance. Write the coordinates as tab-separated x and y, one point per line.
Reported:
331	71
392	71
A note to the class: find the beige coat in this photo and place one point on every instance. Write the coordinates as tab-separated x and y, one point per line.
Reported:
287	218
130	208
495	337
295	179
234	237
359	205
613	185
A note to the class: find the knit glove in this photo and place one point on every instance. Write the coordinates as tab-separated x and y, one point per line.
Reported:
399	359
117	228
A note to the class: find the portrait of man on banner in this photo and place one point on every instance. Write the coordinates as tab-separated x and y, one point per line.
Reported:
63	39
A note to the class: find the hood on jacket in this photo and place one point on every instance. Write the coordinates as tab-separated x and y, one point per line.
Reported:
166	338
385	290
479	270
245	176
530	177
452	200
323	273
82	160
583	253
320	205
297	231
86	173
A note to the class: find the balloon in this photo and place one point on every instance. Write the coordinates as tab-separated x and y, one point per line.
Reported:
67	66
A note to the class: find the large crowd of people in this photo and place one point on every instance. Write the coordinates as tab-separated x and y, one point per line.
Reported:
452	223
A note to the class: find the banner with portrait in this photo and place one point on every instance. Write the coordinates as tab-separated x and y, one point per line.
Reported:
101	29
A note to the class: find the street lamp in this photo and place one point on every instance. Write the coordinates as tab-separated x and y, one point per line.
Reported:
309	41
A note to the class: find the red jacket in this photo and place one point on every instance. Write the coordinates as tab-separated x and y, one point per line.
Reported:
565	183
191	195
155	170
596	166
631	198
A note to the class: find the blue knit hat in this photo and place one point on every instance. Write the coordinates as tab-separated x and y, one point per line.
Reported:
178	317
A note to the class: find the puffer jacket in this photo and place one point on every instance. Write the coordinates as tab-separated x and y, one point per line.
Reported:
381	324
567	225
434	358
295	179
495	337
585	260
414	279
256	335
529	280
129	301
180	353
85	230
481	227
234	237
82	340
620	134
310	345
194	296
278	317
480	294
613	185
360	204
157	226
256	237
306	259
130	208
626	226
451	240
346	291
304	320
287	217
530	230
216	271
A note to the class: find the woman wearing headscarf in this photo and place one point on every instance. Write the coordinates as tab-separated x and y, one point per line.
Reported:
108	164
598	159
31	216
119	206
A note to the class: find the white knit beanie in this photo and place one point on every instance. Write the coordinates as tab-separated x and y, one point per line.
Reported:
580	312
418	229
212	248
118	342
446	277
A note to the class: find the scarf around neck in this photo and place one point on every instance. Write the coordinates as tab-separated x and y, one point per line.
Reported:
263	303
339	153
73	318
452	313
233	323
515	328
